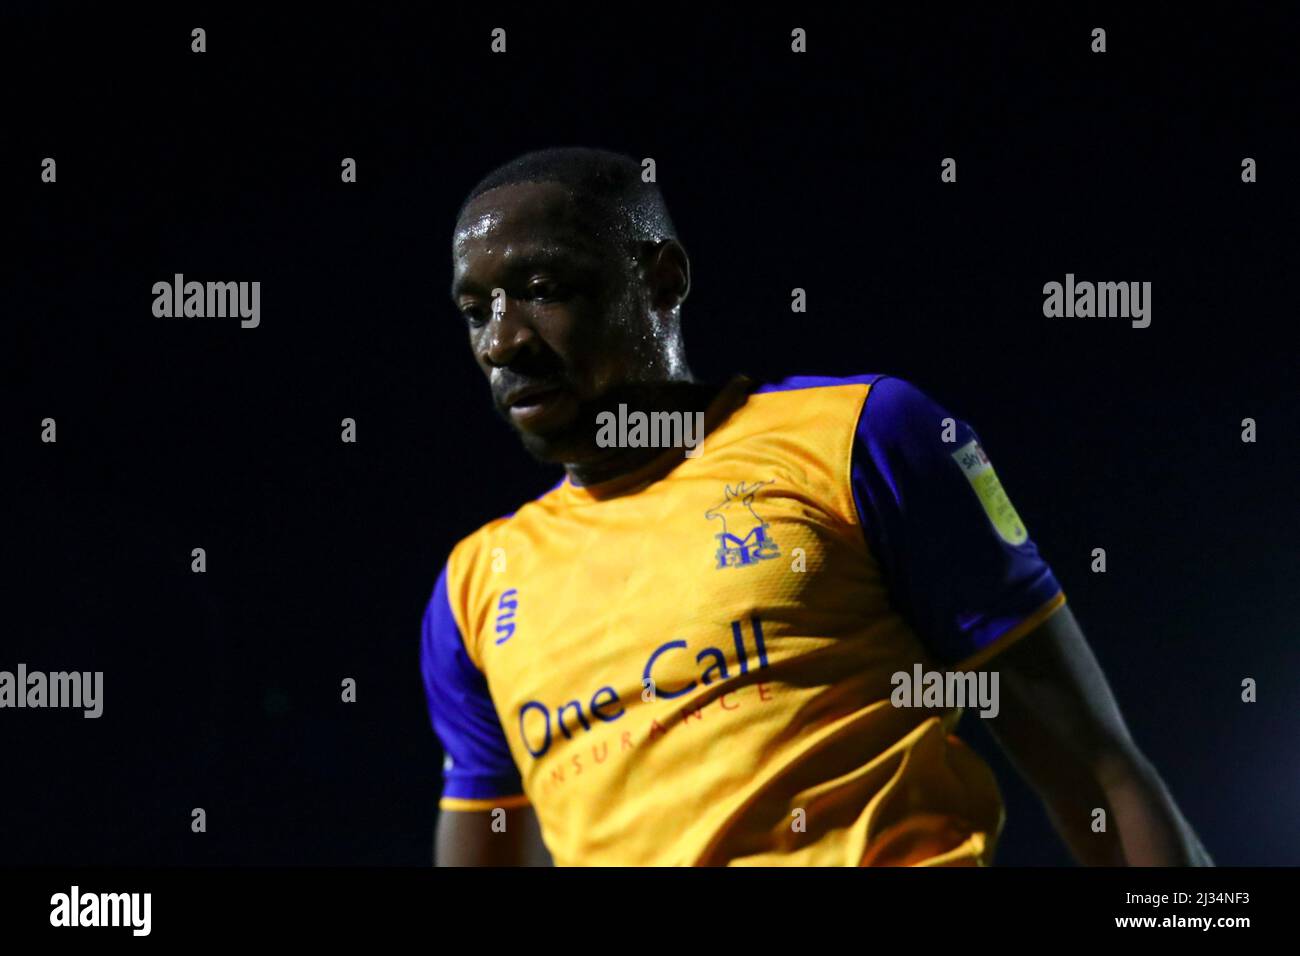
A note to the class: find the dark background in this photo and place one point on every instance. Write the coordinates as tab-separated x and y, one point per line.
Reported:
819	171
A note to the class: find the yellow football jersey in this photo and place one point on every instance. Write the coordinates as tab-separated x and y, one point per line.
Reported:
693	664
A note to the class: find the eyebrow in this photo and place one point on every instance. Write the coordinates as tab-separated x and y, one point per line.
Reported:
530	258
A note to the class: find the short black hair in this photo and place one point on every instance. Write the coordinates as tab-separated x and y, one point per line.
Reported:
609	184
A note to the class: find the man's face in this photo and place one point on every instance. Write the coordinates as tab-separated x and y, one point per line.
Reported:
572	323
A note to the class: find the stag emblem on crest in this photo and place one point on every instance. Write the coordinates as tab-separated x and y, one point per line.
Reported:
745	537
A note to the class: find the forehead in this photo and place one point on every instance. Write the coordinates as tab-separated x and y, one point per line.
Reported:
542	213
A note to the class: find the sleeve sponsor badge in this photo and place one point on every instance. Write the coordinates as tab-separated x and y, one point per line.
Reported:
977	468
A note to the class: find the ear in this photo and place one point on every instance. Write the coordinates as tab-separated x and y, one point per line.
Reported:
668	274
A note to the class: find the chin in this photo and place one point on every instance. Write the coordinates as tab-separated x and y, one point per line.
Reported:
561	447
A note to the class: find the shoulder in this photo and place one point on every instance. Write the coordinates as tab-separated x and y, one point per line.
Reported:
898	409
883	405
887	388
491	533
812	401
796	383
478	543
889	393
475	556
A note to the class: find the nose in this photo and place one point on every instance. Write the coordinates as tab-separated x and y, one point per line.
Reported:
506	334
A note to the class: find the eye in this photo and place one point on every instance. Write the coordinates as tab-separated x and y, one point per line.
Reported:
474	315
543	288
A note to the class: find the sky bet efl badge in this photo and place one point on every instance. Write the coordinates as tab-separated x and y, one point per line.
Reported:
979	472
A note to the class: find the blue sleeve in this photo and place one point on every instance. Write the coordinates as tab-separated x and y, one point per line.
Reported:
957	561
477	764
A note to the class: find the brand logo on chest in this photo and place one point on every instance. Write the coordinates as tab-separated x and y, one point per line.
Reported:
506	607
672	670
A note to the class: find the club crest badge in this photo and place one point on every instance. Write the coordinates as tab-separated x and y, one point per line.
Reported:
744	538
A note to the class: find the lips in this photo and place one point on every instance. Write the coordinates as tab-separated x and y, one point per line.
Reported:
530	395
538	407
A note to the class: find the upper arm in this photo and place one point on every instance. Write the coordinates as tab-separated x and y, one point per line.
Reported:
957	560
478	771
961	567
